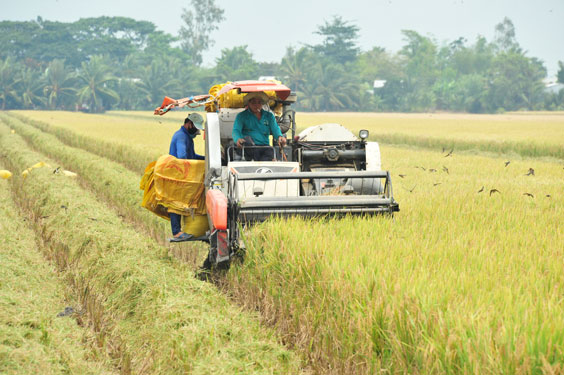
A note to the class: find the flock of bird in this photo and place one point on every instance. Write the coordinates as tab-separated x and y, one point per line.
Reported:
530	172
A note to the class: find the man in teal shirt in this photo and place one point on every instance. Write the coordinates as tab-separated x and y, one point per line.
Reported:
253	127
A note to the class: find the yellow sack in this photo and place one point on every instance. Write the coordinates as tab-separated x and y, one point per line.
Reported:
196	226
40	164
149	195
5	174
179	184
174	185
232	99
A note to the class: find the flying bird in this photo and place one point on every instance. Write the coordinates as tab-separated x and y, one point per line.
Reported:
507	163
413	188
531	172
529	195
482	189
548	195
432	170
445	169
402	175
57	170
449	153
494	191
437	183
421	168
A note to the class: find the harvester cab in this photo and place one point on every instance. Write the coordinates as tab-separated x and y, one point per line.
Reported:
325	170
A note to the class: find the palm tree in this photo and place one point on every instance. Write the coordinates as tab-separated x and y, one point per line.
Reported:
8	81
328	88
94	80
59	85
295	66
158	81
31	88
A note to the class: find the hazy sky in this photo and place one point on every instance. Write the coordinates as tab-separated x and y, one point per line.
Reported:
268	27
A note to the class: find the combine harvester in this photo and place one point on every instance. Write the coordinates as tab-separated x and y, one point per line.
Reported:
323	171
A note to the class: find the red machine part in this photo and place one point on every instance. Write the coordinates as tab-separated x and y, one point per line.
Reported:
216	203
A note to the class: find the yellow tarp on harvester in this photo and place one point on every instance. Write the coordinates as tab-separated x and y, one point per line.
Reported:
174	185
233	99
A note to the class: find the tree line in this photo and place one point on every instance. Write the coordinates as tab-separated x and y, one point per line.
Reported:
97	64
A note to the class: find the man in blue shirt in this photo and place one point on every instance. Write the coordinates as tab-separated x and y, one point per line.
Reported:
254	125
182	147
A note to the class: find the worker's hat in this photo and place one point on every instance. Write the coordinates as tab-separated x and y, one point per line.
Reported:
196	119
261	95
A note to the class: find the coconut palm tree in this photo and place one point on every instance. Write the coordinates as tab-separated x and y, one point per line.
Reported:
94	80
60	84
31	88
158	80
295	66
8	81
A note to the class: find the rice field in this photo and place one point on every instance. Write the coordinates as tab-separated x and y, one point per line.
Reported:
466	279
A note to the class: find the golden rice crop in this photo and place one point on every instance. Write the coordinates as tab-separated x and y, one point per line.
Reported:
524	134
460	281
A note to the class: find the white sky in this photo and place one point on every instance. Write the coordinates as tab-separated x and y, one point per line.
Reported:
268	27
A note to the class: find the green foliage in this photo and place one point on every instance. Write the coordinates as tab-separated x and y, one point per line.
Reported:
8	82
93	90
157	81
59	88
560	74
515	81
141	65
340	41
199	23
31	86
295	66
236	64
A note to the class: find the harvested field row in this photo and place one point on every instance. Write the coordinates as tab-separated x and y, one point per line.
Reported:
147	311
133	156
111	180
35	340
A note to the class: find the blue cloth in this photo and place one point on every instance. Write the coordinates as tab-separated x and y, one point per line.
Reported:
182	145
247	124
175	221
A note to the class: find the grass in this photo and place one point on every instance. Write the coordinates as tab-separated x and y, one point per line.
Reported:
147	311
33	339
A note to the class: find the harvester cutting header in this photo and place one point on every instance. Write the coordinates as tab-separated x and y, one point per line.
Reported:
325	170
